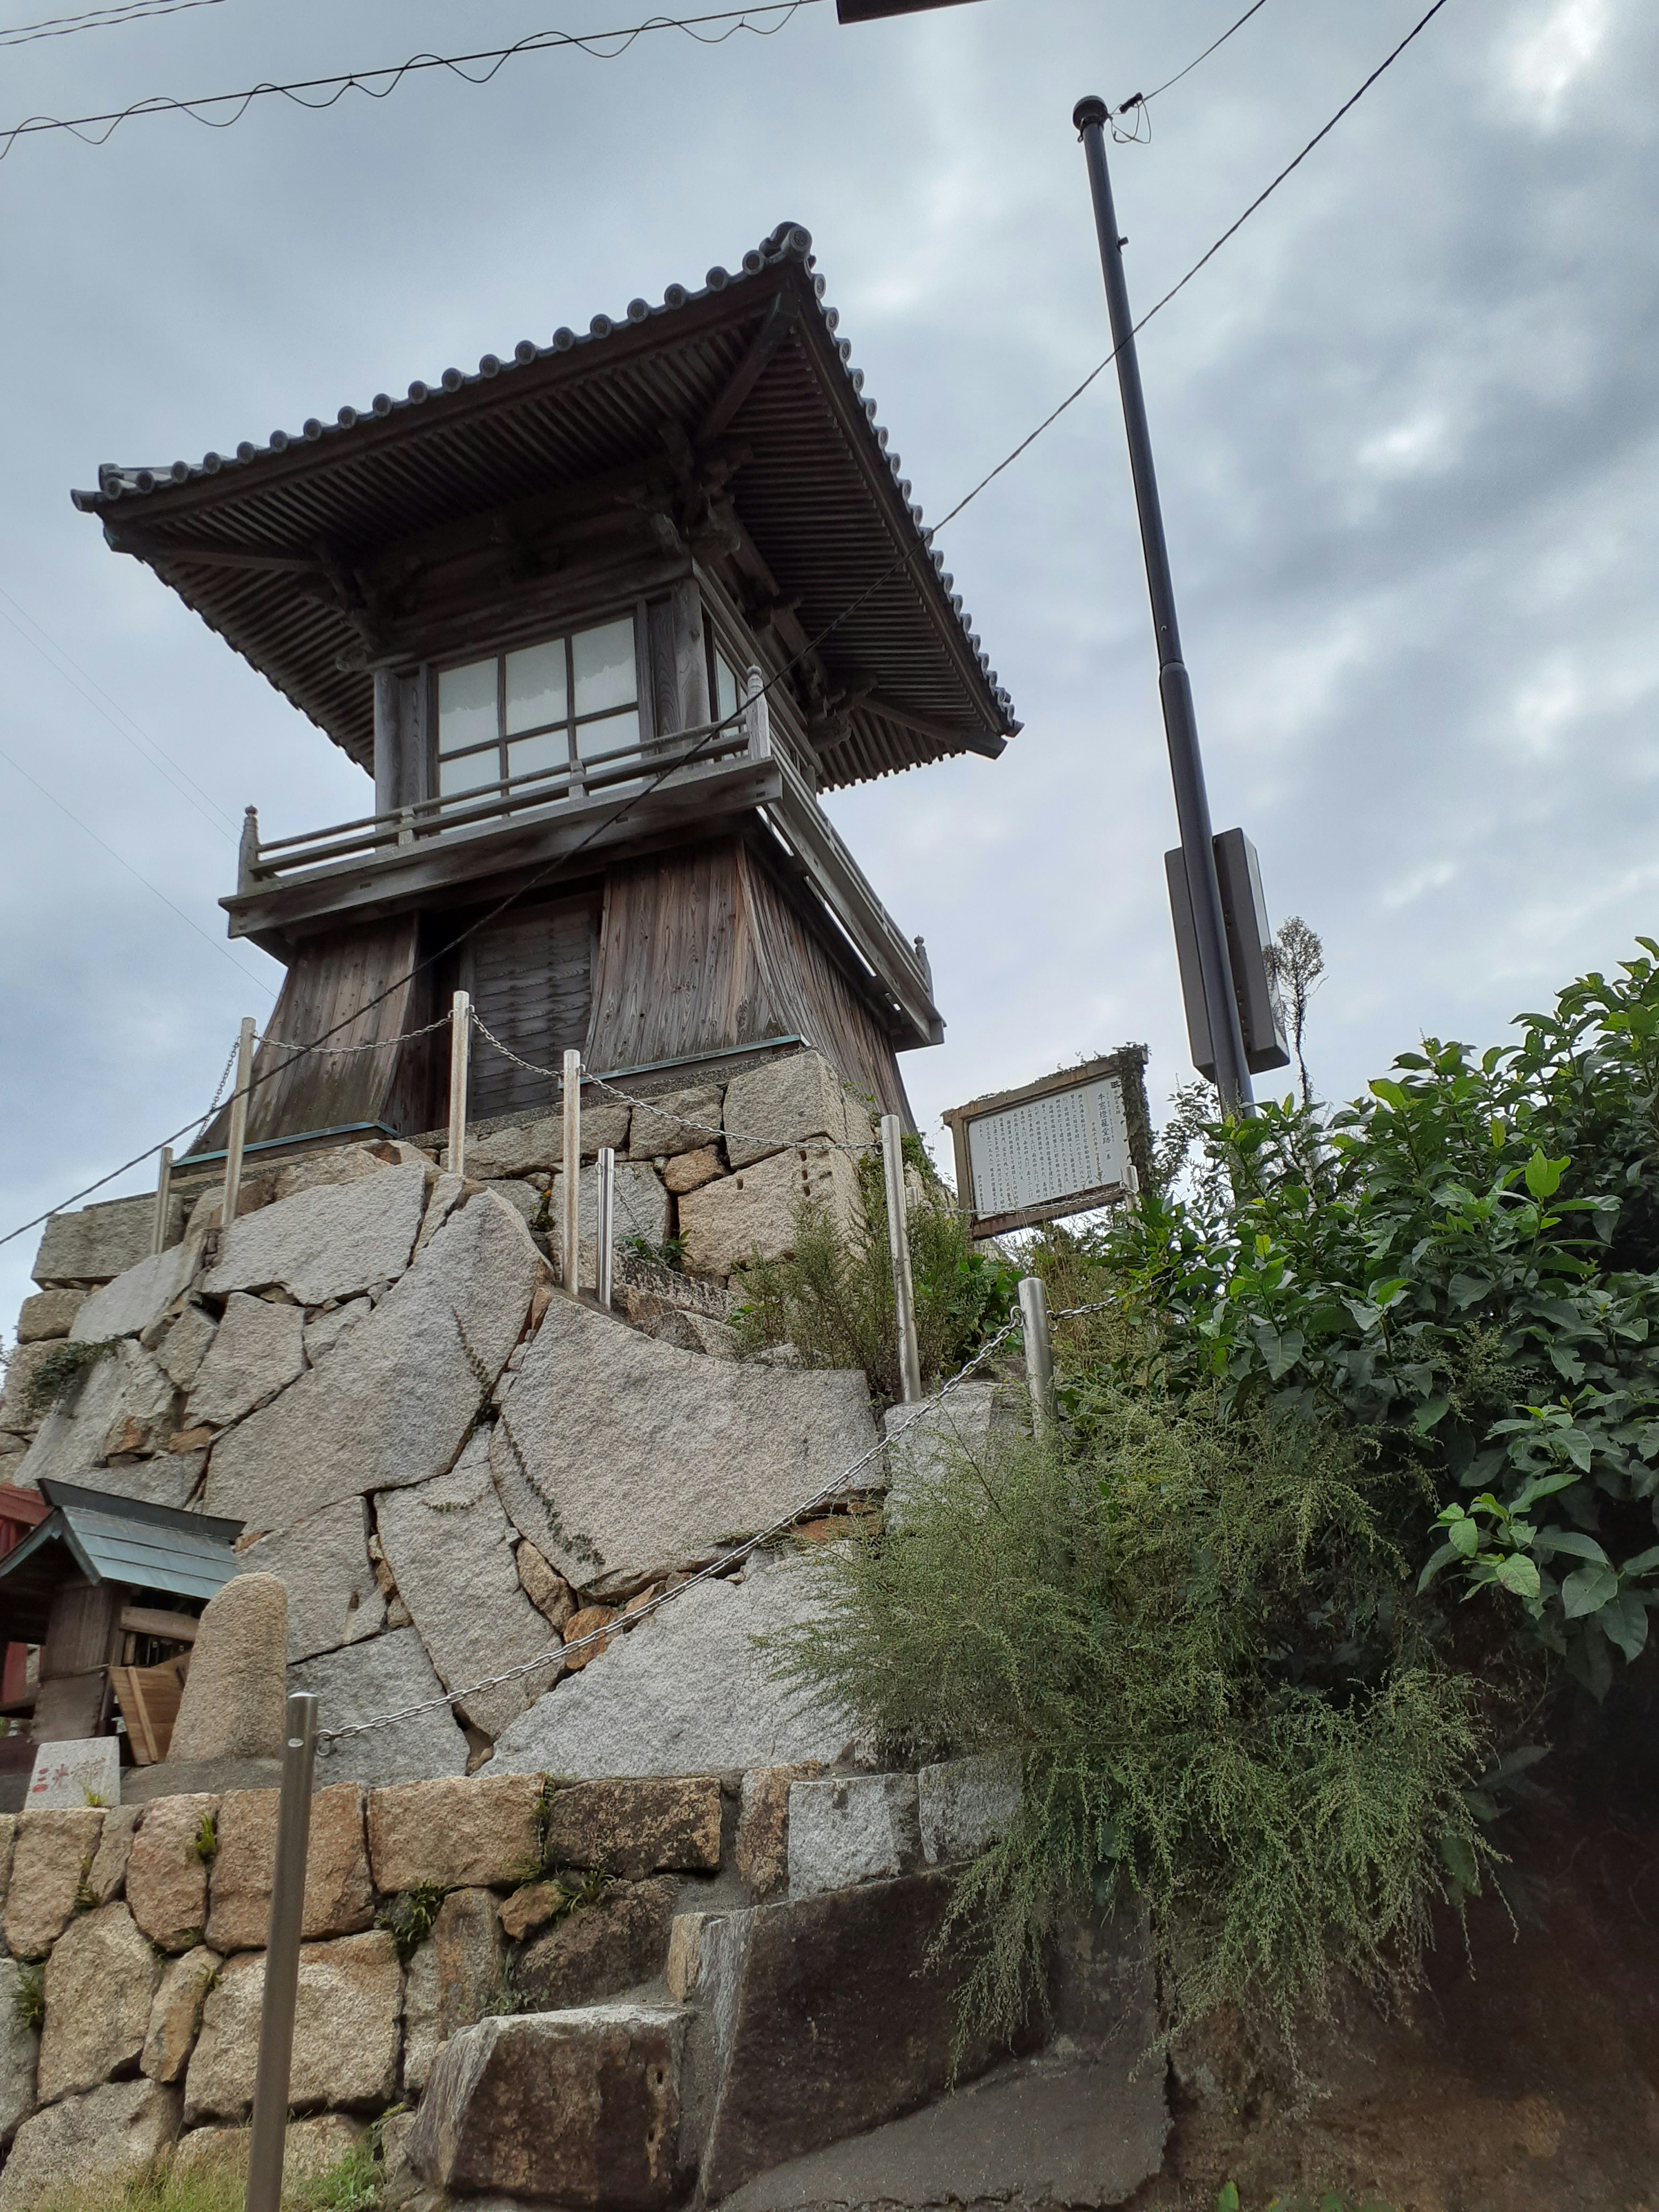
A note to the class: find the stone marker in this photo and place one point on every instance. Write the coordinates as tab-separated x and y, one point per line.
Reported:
450	1545
367	1680
453	1978
686	1691
100	1983
166	1875
52	1848
258	1351
325	1243
234	1702
695	1450
96	1244
346	2030
134	1300
600	1950
175	2017
77	1772
393	1402
324	1563
20	2046
632	1828
459	1834
583	2107
340	1896
93	2144
853	1829
754	1214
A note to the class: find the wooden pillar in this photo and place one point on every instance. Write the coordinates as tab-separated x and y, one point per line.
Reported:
690	656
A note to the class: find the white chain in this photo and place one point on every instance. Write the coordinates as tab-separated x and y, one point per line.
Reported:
715	1567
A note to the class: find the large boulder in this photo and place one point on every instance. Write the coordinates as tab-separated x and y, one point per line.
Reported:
537	1147
456	1834
101	1242
686	1691
394	1402
48	1315
599	1950
51	1848
455	1978
235	1699
135	1299
100	1983
323	1562
366	1682
449	1546
325	1243
755	1214
258	1351
798	1095
87	2149
348	2028
580	2107
340	1896
122	1402
616	1454
635	1827
677	1121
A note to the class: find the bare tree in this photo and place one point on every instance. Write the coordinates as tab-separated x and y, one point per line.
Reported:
1295	963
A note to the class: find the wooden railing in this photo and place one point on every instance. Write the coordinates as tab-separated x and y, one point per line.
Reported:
263	864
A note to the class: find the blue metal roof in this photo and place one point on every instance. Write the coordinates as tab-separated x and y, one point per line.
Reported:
127	1540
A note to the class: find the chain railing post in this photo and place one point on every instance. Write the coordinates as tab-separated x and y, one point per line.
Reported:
1039	1354
238	1135
904	1297
460	1061
604	1280
158	1241
571	1225
287	1897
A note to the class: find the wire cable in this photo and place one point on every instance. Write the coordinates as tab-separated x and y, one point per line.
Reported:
592	43
96	19
680	761
1140	98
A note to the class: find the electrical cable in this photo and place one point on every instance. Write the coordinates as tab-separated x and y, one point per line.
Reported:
225	825
364	81
682	760
1140	98
96	19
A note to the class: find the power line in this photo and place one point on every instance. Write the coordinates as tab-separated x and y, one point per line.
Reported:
225	825
143	880
564	860
96	19
592	43
1140	99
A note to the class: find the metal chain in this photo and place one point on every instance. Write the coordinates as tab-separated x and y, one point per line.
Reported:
383	1044
715	1568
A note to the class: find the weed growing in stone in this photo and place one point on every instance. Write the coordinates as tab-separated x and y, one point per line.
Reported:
408	1919
205	1842
63	1367
28	1999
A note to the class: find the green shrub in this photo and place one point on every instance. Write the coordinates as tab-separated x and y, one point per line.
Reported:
407	1918
63	1366
1190	1623
833	1300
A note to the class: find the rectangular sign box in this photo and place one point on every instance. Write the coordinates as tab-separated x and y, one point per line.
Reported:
1063	1145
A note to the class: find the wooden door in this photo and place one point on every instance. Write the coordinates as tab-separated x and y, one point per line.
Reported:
531	974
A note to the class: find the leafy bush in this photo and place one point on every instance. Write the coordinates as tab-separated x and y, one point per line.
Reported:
1465	1263
1190	1624
834	1299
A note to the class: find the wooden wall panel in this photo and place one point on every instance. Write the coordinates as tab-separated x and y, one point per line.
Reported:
531	974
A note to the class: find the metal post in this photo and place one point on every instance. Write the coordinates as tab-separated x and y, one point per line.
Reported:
158	1241
238	1137
904	1296
603	1277
1039	1354
287	1897
1232	1073
460	1061
571	1251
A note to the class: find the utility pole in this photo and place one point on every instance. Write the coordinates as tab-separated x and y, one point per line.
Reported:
1232	1073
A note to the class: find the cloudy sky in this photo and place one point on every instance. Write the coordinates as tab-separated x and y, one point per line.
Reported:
1406	424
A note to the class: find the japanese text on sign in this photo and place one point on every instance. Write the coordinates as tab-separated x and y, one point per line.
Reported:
1050	1148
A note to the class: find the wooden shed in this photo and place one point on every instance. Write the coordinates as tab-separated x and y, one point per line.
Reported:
604	619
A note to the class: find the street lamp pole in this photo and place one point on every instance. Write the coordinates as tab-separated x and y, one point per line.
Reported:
1232	1073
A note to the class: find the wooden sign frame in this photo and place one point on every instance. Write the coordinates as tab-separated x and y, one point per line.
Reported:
1128	1065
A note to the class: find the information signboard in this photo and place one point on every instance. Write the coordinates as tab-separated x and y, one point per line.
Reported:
1063	1145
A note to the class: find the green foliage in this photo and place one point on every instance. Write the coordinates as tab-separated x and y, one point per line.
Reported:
351	2185
219	2184
1189	1622
28	1999
63	1367
1465	1263
834	1299
407	1918
205	1842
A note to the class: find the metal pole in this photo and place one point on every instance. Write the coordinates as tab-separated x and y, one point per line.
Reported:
571	1253
904	1296
1232	1073
607	1222
158	1241
1039	1354
288	1899
238	1135
460	1061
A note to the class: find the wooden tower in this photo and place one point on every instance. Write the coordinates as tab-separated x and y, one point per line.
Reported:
602	619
